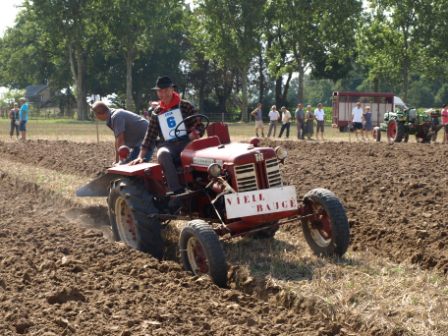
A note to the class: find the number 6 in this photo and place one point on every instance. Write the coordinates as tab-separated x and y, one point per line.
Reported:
171	122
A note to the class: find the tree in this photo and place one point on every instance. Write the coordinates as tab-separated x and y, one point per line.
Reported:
233	30
27	57
128	26
391	43
68	24
311	35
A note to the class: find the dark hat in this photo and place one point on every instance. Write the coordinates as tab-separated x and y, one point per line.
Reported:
163	83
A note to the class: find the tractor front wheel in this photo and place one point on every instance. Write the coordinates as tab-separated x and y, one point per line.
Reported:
130	210
201	252
325	227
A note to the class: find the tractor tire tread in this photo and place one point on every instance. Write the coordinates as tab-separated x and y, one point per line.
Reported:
212	246
340	227
142	205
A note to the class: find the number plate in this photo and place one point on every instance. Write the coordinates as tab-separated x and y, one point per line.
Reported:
259	202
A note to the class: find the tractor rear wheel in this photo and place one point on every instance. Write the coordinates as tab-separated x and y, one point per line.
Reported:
201	252
130	210
395	131
326	229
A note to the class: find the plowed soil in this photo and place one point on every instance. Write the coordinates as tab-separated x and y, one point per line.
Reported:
59	276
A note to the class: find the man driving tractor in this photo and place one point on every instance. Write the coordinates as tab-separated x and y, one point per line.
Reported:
163	123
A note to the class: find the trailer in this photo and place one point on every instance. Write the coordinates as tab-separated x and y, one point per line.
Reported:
344	101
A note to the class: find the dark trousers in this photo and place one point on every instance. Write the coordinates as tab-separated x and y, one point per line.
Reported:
168	155
14	127
286	127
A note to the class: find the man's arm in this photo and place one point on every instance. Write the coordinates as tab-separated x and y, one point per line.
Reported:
119	141
149	141
195	128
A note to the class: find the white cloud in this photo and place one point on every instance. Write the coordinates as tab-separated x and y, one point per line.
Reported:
8	12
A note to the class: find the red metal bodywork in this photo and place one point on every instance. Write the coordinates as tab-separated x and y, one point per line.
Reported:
196	158
221	130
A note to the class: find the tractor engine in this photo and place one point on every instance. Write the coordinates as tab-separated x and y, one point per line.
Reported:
235	167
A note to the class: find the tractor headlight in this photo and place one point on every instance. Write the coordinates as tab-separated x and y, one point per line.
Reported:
214	170
281	153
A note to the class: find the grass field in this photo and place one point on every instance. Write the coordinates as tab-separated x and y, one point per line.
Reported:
86	131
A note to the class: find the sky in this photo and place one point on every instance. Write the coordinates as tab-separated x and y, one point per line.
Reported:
8	12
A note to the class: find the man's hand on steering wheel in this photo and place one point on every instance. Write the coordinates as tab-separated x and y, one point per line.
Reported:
194	132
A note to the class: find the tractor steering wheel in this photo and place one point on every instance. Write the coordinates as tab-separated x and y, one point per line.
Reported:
201	118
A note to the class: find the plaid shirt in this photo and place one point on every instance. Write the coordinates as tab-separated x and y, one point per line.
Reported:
153	131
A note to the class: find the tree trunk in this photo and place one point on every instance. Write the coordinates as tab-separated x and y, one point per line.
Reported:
376	84
286	89
278	91
201	94
130	105
261	79
405	77
244	112
406	62
81	87
300	93
78	68
224	92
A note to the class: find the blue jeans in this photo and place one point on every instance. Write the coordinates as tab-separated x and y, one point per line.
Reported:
22	127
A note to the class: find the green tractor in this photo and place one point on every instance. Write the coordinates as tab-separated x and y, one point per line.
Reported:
402	122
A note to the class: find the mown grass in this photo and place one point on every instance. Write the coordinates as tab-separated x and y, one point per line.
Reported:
362	290
89	131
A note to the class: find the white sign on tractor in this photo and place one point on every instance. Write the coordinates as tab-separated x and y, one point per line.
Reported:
258	202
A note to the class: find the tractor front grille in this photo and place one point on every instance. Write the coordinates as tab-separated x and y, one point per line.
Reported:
246	175
273	173
246	179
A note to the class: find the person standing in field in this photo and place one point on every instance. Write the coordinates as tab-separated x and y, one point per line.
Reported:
357	113
14	116
274	116
300	119
257	113
286	122
368	126
309	122
444	115
23	117
129	129
319	114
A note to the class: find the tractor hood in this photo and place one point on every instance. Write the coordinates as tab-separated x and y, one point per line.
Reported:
232	153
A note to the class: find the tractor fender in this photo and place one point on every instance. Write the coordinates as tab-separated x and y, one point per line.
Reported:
99	187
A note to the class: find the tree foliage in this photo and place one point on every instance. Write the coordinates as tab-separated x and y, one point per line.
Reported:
227	55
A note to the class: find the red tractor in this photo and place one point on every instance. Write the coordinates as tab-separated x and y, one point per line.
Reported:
233	189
